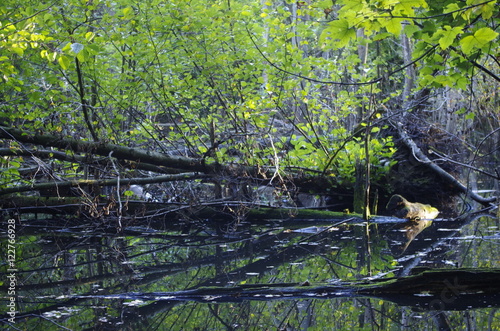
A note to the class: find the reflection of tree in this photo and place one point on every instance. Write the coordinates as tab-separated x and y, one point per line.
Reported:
248	270
428	243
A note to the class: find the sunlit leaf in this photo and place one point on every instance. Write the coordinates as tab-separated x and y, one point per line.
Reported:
394	26
448	35
480	38
89	36
64	62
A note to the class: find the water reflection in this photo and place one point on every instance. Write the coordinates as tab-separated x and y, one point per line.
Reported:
401	235
212	275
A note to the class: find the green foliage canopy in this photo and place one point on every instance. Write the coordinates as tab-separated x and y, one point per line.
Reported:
265	83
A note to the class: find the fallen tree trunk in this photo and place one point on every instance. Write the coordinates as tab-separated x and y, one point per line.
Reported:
78	151
104	149
215	210
183	163
81	159
102	154
422	158
100	182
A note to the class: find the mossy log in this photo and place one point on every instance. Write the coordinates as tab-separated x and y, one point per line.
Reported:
402	208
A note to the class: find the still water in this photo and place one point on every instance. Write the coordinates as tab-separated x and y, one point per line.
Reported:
204	274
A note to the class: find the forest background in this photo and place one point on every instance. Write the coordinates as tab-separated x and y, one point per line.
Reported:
326	97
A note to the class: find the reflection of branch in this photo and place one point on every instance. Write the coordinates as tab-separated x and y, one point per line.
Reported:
462	284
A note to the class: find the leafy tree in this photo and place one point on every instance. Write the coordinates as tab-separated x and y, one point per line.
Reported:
280	85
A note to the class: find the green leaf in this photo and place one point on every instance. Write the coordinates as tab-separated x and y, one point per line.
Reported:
453	7
487	10
443	80
18	50
467	44
407	7
82	56
89	36
461	81
485	35
480	38
394	26
52	56
128	12
128	193
410	29
339	30
67	47
448	35
470	116
64	62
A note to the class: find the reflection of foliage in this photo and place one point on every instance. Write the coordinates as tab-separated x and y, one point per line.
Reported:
57	265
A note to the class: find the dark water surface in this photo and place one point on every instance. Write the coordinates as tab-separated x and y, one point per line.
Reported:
77	277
